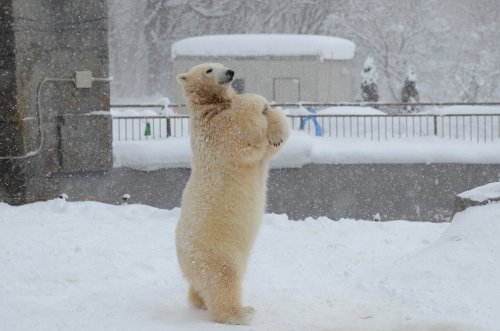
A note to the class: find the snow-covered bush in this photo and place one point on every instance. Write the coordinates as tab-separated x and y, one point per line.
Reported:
409	92
369	77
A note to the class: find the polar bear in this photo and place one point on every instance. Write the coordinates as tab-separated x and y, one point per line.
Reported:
232	139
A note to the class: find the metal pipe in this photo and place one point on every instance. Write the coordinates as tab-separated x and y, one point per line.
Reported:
39	115
40	121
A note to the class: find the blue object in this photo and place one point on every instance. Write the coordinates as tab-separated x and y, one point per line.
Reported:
317	126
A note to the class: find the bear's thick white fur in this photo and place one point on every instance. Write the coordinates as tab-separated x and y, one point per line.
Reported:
232	137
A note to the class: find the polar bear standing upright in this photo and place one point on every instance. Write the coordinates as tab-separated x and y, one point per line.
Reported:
232	137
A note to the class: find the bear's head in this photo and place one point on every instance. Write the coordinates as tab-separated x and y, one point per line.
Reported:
207	83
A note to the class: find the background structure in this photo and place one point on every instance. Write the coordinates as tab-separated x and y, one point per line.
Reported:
452	43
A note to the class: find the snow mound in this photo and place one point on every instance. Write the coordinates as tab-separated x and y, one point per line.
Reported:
486	192
468	246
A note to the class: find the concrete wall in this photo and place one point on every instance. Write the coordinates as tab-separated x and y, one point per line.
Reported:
52	38
328	81
395	191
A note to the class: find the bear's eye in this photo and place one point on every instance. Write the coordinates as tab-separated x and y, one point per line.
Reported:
209	71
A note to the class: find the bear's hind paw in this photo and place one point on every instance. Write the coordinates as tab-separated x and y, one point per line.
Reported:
243	317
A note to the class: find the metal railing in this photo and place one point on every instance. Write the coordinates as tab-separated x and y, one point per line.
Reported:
149	127
465	127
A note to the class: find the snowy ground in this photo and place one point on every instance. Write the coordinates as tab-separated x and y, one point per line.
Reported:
92	266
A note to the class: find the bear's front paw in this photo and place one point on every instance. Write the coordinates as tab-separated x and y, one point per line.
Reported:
266	109
275	141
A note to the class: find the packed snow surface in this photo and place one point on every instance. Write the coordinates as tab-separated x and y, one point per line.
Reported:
91	266
241	45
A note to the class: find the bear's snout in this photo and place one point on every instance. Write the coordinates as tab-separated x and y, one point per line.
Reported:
226	76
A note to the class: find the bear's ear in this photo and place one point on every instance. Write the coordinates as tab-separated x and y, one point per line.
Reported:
181	78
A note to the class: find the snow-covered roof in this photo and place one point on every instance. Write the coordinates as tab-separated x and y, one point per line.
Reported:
241	45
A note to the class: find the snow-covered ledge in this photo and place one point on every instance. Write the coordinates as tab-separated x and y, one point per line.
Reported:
477	196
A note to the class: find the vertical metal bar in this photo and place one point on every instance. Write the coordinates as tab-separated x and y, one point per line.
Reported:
169	129
484	128
449	127
392	126
141	132
329	126
491	126
435	125
371	127
456	127
357	127
385	126
133	128
498	125
406	125
463	126
126	129
378	127
442	126
399	123
119	130
470	128
477	122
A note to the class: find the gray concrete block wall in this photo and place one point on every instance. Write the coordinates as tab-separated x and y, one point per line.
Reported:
395	191
53	38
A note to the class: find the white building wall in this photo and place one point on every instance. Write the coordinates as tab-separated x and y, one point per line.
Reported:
328	81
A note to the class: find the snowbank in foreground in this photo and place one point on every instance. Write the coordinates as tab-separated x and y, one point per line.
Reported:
92	266
302	149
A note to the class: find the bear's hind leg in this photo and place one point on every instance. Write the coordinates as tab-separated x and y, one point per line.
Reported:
195	299
223	298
